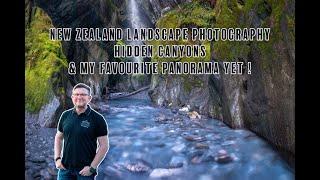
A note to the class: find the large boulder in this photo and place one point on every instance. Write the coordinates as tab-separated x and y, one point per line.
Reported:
178	91
46	116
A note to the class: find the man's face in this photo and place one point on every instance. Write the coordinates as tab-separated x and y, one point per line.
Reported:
80	97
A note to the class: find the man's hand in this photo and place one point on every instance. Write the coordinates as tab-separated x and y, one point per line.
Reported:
59	164
85	171
57	149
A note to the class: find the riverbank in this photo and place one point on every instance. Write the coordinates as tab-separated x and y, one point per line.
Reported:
39	142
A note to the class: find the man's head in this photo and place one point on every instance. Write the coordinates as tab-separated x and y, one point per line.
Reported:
81	95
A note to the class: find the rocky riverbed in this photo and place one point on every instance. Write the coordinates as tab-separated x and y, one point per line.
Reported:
39	141
148	142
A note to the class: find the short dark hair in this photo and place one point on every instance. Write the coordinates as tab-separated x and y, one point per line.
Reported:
82	85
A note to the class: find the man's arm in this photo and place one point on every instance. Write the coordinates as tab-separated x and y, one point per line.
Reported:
57	149
101	153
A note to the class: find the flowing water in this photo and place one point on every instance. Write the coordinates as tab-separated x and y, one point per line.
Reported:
135	24
150	142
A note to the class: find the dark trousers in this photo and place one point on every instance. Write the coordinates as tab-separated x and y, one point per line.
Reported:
73	174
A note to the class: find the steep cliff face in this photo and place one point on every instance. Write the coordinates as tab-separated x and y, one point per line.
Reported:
262	101
93	14
184	90
44	68
58	84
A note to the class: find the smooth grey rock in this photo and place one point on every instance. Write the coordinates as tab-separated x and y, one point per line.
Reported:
47	113
45	174
178	148
138	167
113	171
160	172
38	159
201	146
177	161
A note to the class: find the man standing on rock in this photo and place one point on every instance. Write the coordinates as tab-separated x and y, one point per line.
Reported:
79	129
